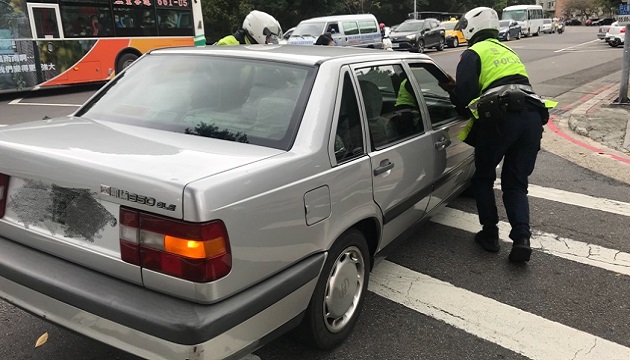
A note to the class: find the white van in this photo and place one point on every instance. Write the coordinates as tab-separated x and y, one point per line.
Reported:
347	30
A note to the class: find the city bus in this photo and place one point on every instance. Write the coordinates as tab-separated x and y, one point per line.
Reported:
45	43
529	17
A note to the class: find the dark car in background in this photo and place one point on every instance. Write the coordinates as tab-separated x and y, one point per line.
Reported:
508	30
418	35
573	22
602	22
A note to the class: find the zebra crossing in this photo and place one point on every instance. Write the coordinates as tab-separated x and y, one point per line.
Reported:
522	332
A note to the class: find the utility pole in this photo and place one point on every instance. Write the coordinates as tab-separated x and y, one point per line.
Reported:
415	13
625	69
624	19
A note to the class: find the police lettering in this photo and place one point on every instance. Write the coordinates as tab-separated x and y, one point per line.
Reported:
506	60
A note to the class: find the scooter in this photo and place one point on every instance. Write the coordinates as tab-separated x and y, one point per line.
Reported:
560	28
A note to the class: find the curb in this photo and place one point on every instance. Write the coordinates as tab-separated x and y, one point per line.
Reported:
579	110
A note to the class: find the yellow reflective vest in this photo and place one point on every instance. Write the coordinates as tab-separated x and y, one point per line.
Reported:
231	40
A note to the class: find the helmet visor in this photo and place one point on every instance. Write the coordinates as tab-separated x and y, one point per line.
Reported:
271	37
462	24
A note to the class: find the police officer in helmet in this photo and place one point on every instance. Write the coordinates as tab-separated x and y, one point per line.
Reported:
258	28
507	118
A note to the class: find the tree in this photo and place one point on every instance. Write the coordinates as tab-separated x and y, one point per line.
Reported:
584	8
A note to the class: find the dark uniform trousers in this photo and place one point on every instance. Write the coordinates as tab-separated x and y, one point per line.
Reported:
516	139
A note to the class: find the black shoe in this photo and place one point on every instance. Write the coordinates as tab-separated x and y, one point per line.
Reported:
488	241
521	251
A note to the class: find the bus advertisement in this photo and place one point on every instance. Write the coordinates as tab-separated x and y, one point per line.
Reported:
529	17
64	42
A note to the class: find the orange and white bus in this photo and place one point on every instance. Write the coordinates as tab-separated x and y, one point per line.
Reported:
47	43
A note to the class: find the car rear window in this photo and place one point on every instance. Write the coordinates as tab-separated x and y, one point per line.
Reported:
248	101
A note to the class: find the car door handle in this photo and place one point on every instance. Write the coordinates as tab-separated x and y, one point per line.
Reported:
443	143
386	165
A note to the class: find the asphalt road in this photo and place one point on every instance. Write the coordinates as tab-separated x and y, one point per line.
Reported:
439	296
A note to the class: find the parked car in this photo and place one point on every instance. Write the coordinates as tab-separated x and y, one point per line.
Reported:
418	35
573	22
548	27
286	35
508	30
605	21
453	37
180	214
591	21
616	35
603	30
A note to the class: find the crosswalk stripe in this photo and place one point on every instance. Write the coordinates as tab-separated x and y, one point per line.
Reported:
514	329
589	254
571	198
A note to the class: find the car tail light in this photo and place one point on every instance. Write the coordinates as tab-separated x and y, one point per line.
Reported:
197	252
4	191
623	30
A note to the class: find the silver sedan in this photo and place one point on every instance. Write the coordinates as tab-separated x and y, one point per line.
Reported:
209	199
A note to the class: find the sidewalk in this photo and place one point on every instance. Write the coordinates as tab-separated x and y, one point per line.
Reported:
592	130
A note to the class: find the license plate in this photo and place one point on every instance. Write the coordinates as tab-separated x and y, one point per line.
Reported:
395	45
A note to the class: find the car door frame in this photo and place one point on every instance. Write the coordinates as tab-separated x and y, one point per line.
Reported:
449	172
407	210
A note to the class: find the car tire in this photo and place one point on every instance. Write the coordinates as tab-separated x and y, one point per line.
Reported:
455	43
614	42
421	46
339	295
440	45
518	35
507	36
125	60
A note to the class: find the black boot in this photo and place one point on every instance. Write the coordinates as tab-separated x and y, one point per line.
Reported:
488	240
521	251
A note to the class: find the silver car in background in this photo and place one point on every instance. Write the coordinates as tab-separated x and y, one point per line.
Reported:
207	200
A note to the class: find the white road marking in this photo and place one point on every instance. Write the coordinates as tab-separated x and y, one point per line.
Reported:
577	199
527	334
19	102
589	254
578	45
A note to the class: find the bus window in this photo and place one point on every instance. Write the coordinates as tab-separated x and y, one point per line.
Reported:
135	21
86	21
45	21
174	22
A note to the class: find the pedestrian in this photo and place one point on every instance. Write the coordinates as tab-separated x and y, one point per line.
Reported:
325	39
258	28
507	122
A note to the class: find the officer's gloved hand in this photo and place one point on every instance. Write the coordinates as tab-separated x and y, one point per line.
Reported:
448	85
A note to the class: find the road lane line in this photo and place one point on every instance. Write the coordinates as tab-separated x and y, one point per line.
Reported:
584	253
522	332
577	199
574	46
19	102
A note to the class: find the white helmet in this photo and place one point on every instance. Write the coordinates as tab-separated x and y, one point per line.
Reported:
262	27
478	19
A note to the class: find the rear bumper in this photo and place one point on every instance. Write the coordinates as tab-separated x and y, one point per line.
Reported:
147	323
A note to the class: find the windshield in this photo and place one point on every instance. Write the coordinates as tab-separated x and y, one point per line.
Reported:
448	25
504	23
410	26
233	99
518	15
309	29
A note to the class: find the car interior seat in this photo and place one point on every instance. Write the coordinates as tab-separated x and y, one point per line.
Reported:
373	100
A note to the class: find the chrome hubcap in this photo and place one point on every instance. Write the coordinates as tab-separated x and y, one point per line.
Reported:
343	289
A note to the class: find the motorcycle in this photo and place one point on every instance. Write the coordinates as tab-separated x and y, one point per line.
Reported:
560	28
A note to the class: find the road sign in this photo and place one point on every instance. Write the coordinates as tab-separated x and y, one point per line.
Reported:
624	9
623	20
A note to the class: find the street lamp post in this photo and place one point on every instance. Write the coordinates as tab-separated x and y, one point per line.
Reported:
415	13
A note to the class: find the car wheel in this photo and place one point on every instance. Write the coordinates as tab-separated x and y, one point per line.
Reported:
125	60
614	42
421	46
518	35
507	36
455	42
340	293
440	45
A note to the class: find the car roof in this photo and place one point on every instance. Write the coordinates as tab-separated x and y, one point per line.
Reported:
340	18
297	54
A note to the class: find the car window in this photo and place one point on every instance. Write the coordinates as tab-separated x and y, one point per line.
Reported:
367	27
349	136
350	28
390	104
239	100
441	110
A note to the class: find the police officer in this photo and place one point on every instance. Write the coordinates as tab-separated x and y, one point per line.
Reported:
507	118
258	28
